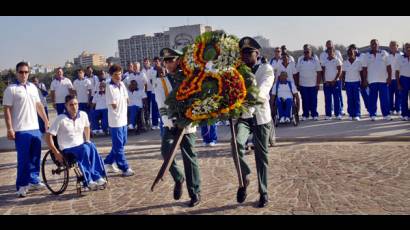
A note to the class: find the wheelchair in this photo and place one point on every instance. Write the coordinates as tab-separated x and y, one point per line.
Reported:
294	112
56	175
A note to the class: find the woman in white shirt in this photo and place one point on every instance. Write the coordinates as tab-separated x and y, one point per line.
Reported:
403	82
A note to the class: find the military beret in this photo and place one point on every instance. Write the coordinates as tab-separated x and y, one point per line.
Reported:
248	42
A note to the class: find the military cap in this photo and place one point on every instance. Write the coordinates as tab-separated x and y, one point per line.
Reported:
248	42
170	53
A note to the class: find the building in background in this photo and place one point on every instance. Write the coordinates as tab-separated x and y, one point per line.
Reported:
143	46
41	69
263	42
113	60
89	59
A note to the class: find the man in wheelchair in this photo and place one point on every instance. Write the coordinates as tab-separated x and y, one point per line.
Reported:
284	94
71	128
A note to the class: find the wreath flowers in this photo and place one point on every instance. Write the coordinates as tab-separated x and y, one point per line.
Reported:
214	83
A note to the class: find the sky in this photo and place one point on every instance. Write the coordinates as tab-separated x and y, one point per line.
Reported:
52	40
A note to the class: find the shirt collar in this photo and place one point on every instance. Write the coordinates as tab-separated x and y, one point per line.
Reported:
18	83
113	83
59	79
69	117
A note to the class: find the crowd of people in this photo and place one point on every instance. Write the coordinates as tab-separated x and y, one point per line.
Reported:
114	103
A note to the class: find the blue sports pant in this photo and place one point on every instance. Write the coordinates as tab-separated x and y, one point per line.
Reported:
284	107
209	133
117	154
309	101
353	98
41	122
405	83
60	108
394	96
133	111
381	90
100	115
154	108
331	92
89	161
28	146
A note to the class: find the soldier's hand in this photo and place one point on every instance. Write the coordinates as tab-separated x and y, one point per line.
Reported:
58	156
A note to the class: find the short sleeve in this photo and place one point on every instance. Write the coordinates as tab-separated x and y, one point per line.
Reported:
293	68
109	96
273	91
69	84
52	87
318	66
339	62
36	95
53	130
294	88
84	116
363	60
8	97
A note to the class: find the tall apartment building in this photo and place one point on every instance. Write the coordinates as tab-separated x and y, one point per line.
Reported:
263	42
143	46
86	59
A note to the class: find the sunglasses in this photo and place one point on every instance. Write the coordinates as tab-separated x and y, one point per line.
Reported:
23	72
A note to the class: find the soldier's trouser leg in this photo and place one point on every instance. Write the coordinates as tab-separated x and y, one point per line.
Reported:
189	157
166	143
261	140
243	130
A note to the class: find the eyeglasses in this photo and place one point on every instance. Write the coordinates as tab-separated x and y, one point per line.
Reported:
23	72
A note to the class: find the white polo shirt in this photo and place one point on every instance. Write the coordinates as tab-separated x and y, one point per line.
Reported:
100	101
22	100
117	95
290	70
331	68
94	81
61	89
308	71
284	90
136	97
352	70
140	78
274	63
395	61
69	132
324	55
404	67
148	75
82	88
376	66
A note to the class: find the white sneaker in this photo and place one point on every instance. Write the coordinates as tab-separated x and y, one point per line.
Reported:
373	118
212	144
93	185
350	118
328	118
339	117
287	120
38	186
304	118
342	113
316	118
357	118
129	172
22	192
399	113
388	118
130	126
111	168
282	120
100	131
95	132
205	144
101	182
405	118
155	127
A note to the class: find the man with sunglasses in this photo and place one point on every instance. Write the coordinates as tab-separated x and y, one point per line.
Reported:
22	103
162	88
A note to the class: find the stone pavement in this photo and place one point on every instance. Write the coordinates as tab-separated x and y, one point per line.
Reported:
304	178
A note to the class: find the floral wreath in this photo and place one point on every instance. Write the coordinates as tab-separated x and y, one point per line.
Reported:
214	83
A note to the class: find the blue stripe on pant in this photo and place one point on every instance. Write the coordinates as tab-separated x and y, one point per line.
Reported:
40	121
394	97
154	108
89	161
209	134
379	89
133	111
284	107
309	101
331	92
405	84
353	98
60	108
117	154
100	115
28	146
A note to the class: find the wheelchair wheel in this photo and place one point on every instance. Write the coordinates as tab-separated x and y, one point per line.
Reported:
55	174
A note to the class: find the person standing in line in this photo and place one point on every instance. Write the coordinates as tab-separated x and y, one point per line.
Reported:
60	87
